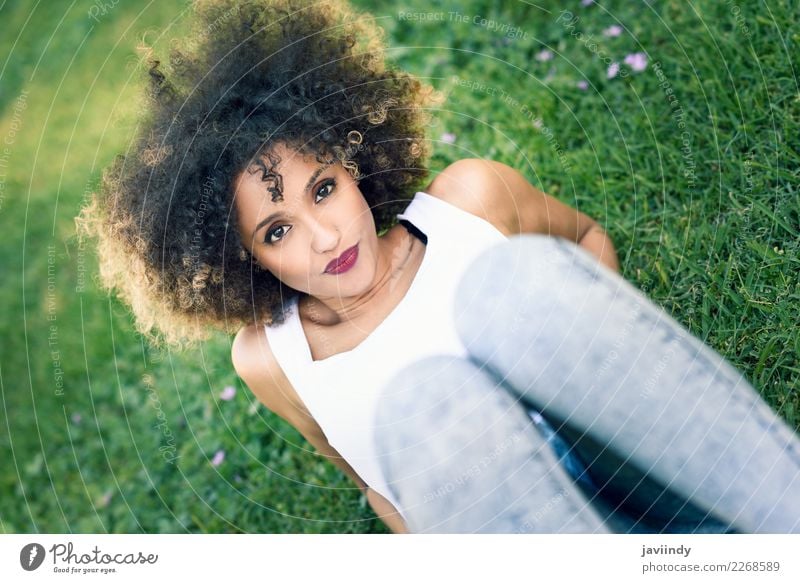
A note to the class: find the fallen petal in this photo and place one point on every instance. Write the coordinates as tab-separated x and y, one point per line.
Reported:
218	458
227	393
636	61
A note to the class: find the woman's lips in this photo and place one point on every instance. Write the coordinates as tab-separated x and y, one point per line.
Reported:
344	262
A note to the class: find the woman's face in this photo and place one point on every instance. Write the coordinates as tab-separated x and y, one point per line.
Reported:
313	214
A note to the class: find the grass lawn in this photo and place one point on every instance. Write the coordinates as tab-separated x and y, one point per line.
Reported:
688	155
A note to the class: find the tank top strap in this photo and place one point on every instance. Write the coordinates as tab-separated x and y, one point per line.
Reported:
288	343
445	222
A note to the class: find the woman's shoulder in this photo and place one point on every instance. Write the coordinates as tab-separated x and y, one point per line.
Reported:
474	186
251	354
257	366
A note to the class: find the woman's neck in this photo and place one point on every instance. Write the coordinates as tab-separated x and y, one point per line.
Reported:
397	246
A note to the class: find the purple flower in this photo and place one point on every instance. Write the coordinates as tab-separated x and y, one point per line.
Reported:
218	458
544	55
76	418
613	69
103	501
613	30
227	393
582	85
448	138
636	61
586	2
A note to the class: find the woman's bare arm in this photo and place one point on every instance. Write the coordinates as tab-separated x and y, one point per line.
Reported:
597	242
529	210
386	512
380	505
502	196
384	509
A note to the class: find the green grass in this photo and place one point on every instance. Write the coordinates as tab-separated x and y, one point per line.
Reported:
718	249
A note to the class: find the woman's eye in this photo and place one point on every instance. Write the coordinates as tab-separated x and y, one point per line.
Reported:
268	238
324	188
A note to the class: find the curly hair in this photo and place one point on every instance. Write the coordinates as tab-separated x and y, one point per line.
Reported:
310	75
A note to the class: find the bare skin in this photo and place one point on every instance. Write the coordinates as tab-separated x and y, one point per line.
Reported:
339	311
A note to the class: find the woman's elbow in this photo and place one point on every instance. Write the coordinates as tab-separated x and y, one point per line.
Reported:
386	512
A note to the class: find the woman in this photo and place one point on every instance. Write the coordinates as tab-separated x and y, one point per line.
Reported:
261	197
300	237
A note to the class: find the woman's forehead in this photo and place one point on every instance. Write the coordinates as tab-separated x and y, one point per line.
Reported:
269	174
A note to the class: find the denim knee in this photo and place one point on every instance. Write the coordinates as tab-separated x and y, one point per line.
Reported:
431	415
548	274
440	387
462	455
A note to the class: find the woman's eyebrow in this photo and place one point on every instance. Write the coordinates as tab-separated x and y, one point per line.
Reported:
308	186
314	175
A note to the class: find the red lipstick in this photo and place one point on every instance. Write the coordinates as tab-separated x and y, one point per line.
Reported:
344	262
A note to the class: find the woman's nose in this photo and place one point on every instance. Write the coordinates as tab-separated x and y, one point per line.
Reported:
324	237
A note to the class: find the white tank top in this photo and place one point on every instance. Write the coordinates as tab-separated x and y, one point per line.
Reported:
341	391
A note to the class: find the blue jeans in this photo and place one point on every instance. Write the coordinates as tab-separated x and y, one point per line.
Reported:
583	407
